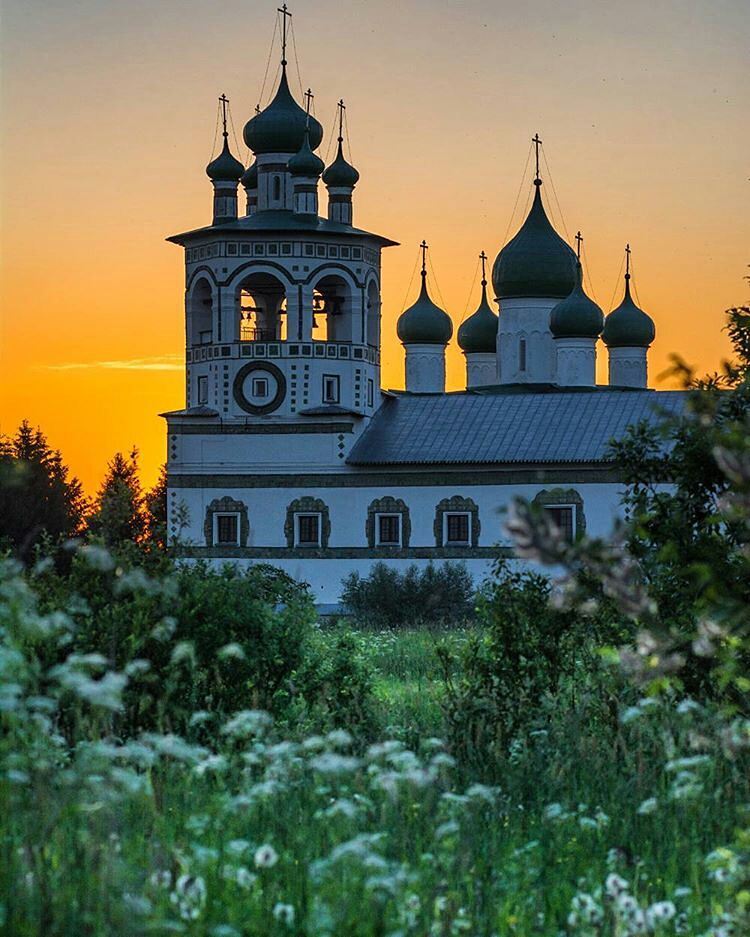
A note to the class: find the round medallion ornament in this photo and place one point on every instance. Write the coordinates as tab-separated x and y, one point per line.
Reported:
259	387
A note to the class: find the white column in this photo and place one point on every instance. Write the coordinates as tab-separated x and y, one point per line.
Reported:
525	321
628	367
481	368
425	369
576	362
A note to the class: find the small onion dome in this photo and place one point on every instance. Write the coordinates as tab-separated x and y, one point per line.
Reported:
628	326
225	168
536	262
340	172
305	162
576	316
479	332
424	323
280	128
249	177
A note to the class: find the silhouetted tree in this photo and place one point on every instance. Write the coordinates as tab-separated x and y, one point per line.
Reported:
119	510
38	497
156	510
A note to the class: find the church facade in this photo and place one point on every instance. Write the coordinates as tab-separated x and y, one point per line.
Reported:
289	452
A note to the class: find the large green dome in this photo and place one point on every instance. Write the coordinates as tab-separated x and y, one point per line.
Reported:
280	128
576	316
536	262
479	332
424	323
628	326
225	168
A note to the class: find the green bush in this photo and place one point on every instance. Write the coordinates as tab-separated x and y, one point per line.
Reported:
388	598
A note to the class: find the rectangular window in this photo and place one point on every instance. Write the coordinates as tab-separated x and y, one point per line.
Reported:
308	530
202	390
457	528
522	354
370	393
389	530
331	388
227	528
260	387
563	517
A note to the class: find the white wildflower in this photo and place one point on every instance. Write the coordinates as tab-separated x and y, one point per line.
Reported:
284	913
648	806
266	856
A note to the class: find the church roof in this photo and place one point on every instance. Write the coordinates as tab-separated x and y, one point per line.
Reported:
515	426
280	221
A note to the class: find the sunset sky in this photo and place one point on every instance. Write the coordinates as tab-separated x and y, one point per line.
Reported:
109	112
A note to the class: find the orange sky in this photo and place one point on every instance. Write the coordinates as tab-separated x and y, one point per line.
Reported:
108	117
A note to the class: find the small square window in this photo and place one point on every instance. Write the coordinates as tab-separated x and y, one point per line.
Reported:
345	252
320	250
245	249
563	517
357	253
231	249
203	389
227	528
309	251
389	530
457	528
273	249
260	387
308	530
331	388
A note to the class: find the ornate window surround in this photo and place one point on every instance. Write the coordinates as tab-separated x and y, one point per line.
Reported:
459	505
387	505
564	497
226	505
307	505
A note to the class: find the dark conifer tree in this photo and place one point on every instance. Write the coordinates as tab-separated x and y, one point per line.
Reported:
119	510
156	510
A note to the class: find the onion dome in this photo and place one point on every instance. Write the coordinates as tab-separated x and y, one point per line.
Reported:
280	128
424	323
249	178
225	168
305	162
536	262
628	326
576	316
340	172
479	332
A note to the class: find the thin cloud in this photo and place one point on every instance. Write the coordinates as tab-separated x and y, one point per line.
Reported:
157	363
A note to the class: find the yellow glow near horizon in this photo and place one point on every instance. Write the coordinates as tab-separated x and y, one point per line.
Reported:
109	117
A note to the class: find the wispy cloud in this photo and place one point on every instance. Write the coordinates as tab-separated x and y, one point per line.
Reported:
156	363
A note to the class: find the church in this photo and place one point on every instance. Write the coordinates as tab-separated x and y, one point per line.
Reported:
288	450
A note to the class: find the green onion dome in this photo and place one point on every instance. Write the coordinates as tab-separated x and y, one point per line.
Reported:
479	332
424	323
576	316
225	168
628	326
249	178
340	172
305	162
280	128
536	262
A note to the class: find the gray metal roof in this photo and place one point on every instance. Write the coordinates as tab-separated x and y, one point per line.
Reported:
561	426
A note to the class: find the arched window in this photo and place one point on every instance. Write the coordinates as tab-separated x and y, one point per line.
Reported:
200	321
277	188
521	354
333	312
388	524
262	308
372	328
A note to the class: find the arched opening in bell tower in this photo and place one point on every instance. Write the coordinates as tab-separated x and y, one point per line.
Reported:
372	322
262	308
333	313
200	313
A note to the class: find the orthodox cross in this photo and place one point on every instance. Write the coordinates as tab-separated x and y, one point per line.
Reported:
308	101
224	100
537	143
424	248
579	241
627	261
284	15
483	258
342	108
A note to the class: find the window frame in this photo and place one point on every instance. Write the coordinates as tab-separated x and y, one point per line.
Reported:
522	354
335	380
466	542
308	544
202	390
256	382
548	508
399	518
217	517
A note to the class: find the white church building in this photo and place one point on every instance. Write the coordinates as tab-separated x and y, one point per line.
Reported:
289	452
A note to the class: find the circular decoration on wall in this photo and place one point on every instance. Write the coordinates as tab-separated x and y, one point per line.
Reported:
259	387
